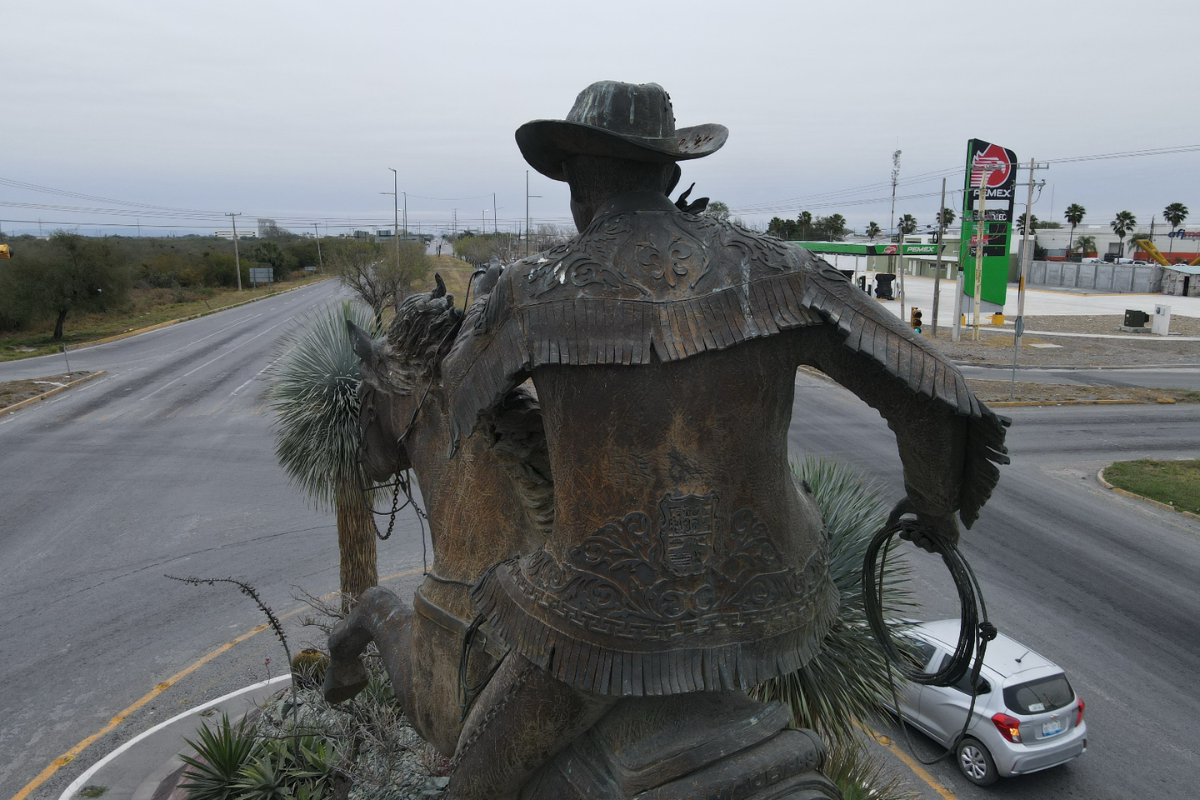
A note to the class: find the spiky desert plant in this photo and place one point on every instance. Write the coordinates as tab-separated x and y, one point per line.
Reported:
221	753
848	679
314	393
861	776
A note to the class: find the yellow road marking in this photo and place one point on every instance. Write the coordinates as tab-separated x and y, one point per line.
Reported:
945	792
120	716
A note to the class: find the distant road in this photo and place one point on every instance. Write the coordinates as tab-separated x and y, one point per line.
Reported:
1184	378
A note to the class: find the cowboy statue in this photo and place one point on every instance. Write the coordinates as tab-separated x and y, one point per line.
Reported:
683	559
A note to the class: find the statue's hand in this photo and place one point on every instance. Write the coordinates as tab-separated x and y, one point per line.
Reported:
926	529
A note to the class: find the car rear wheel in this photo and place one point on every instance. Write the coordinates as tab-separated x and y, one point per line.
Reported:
976	763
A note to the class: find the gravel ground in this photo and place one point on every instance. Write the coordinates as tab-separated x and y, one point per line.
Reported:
13	392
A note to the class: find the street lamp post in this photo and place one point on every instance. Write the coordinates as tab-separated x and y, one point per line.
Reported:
396	214
237	264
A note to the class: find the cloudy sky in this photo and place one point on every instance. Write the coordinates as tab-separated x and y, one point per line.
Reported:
296	110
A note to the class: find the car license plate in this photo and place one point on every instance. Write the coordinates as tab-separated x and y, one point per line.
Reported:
1052	727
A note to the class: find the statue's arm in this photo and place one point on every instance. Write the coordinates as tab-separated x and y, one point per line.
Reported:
949	442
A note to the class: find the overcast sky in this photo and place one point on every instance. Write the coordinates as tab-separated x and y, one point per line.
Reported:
295	110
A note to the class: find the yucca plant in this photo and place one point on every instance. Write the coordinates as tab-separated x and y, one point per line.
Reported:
848	679
221	754
860	776
314	393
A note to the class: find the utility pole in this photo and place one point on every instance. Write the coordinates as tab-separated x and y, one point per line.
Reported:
320	258
396	214
455	229
237	264
405	214
980	244
1019	327
494	220
937	271
892	230
527	196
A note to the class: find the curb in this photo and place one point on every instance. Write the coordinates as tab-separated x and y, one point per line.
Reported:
1066	367
156	326
1015	403
1143	498
82	780
37	397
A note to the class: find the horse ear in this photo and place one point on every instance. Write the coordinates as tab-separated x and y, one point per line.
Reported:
364	346
440	290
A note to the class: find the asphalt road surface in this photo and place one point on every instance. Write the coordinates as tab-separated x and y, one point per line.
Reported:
1183	378
165	465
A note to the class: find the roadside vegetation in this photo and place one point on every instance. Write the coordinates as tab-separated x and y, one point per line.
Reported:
70	289
1174	483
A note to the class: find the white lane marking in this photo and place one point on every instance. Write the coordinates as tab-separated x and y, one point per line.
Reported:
217	358
82	780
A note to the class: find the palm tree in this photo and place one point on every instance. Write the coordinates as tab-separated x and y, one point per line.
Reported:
1086	244
1175	214
873	230
907	224
1074	215
946	217
1123	224
848	678
313	388
1020	223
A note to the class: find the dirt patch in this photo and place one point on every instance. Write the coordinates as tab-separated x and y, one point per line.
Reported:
13	392
996	392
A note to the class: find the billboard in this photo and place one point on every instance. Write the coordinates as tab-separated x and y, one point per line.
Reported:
996	233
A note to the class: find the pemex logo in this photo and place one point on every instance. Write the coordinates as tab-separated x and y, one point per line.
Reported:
996	161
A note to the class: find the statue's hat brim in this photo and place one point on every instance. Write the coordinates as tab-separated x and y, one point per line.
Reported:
547	143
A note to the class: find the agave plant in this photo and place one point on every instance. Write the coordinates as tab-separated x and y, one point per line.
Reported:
314	393
860	776
221	754
848	678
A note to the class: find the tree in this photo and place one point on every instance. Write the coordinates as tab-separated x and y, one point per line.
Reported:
1122	225
907	224
1034	223
73	274
785	229
371	271
271	254
831	228
717	210
1074	215
945	217
313	389
1175	214
1085	244
873	230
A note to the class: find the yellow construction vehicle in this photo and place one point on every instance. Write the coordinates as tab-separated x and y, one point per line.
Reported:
1157	255
5	252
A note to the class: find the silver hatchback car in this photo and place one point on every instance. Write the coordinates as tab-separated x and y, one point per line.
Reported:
1027	717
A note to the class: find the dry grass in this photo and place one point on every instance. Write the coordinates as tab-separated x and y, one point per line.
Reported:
13	392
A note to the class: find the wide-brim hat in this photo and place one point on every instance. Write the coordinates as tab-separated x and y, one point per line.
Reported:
619	120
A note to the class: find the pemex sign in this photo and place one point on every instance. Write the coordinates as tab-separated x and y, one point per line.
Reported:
995	232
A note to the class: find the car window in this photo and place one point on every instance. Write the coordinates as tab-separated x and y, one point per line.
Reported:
1034	697
964	683
916	651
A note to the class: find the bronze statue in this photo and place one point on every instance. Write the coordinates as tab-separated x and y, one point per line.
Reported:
682	562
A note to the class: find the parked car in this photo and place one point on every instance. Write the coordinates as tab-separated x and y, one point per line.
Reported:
1027	717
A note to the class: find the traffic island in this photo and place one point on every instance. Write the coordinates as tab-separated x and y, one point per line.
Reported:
18	394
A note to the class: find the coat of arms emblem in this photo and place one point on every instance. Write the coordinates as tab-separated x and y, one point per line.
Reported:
687	525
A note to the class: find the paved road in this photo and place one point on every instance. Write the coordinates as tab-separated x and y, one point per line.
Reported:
165	465
1100	583
1185	378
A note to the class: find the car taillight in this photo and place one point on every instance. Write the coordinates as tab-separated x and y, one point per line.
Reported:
1009	727
1079	711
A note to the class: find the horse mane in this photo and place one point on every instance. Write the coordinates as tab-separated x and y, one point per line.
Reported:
519	442
423	330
